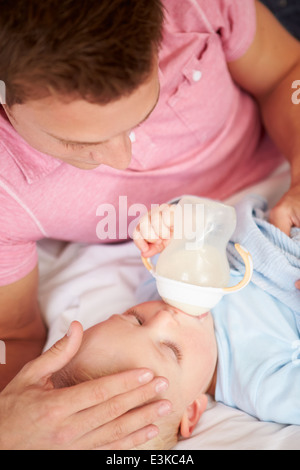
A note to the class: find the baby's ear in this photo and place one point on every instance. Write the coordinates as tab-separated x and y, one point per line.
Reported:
192	415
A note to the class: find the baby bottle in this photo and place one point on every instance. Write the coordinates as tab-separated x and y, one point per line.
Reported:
197	253
193	272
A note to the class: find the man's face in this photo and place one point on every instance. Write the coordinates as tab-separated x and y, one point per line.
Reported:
82	134
154	335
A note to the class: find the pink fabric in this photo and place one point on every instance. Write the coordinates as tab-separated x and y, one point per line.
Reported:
204	138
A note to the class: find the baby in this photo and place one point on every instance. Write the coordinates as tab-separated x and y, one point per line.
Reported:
172	344
245	352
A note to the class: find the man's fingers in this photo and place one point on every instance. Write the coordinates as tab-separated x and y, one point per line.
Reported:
281	219
118	405
285	217
126	425
286	214
94	392
59	355
134	440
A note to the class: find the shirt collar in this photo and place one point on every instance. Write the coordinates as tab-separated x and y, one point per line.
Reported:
34	165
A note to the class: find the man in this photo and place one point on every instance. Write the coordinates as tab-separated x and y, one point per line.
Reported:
80	80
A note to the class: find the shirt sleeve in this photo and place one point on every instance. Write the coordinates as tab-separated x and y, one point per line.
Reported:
235	21
278	397
259	355
18	255
16	262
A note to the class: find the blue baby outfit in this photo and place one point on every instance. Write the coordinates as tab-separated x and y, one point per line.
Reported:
257	329
258	355
276	257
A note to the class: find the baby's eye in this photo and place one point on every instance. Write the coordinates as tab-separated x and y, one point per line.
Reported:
175	349
136	315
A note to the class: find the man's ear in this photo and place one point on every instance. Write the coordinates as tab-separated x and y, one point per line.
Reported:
192	415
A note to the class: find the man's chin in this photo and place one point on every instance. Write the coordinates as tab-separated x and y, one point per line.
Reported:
85	166
92	166
79	165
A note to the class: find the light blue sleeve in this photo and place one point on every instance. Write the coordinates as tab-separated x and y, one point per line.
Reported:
278	396
259	356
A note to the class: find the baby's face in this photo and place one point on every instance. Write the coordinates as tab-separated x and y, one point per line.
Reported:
154	335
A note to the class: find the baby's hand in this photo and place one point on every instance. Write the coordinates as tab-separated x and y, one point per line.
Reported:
155	230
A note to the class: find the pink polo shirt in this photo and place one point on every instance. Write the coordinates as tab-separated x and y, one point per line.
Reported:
205	138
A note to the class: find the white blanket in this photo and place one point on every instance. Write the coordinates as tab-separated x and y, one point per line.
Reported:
90	283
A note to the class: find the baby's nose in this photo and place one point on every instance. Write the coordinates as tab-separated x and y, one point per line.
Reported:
167	316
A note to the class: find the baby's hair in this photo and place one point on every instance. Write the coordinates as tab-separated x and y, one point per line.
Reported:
168	435
95	50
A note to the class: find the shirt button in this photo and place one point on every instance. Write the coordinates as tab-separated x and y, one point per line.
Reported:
132	137
197	75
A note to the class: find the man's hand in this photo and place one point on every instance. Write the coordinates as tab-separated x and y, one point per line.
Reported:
275	56
104	413
286	214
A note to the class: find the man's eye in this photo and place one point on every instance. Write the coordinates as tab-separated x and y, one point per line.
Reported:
71	146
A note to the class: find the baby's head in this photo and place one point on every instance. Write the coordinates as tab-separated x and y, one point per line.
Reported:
172	344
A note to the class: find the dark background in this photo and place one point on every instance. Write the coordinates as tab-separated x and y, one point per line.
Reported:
288	13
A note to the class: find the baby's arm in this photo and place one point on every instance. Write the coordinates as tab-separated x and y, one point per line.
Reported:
278	397
155	230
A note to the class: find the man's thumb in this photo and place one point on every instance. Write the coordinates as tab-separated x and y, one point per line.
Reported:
281	220
58	356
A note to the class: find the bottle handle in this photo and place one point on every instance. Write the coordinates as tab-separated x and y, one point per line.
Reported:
247	258
148	264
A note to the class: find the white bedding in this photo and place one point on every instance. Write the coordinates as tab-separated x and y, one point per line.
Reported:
90	283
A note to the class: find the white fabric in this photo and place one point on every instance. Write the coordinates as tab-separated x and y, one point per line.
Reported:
90	283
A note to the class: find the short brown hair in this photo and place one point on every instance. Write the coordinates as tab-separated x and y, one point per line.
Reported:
97	50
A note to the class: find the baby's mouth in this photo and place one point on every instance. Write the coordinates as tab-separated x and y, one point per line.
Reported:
198	317
204	315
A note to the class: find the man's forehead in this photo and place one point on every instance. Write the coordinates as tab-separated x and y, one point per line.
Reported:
79	142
